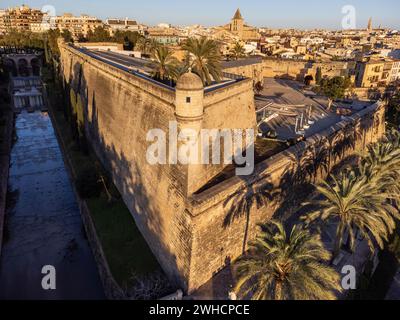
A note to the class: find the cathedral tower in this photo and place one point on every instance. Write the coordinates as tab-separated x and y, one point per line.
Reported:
237	24
370	25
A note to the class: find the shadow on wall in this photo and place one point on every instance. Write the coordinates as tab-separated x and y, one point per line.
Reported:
304	170
306	165
284	197
125	174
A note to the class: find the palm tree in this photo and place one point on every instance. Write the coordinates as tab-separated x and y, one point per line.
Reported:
153	45
381	166
394	108
381	159
283	266
393	137
141	44
181	69
204	59
237	51
165	64
146	45
354	204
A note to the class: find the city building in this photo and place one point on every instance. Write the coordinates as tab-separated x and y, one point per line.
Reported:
24	18
123	25
369	73
165	36
312	41
377	72
78	26
395	71
19	18
41	26
2	22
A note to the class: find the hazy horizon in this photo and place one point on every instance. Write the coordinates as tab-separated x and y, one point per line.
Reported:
308	14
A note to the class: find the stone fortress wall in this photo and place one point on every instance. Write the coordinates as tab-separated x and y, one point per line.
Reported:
269	67
222	231
193	235
119	109
298	70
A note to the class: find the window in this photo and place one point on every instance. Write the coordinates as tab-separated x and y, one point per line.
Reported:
187	99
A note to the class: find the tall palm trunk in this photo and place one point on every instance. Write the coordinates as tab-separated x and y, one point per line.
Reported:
246	231
338	242
278	290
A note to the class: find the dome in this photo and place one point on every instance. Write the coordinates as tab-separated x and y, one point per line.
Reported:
189	81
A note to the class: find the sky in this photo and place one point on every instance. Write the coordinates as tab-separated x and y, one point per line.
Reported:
303	14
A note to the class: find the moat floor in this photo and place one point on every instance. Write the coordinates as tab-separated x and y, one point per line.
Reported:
44	226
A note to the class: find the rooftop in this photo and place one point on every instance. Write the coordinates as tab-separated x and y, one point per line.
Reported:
284	102
143	68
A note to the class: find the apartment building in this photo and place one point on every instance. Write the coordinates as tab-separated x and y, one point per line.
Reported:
2	24
395	71
369	73
124	25
19	18
41	26
373	72
78	26
165	36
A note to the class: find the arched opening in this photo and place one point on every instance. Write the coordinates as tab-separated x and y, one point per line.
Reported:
308	79
23	69
35	63
10	67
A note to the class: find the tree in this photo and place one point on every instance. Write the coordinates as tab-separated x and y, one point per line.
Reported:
393	109
353	204
380	160
281	266
146	45
67	35
318	75
238	51
23	39
153	45
258	87
165	64
204	59
51	37
380	165
127	44
334	88
142	45
127	38
99	34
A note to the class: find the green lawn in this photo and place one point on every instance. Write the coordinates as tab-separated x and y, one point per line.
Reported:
126	250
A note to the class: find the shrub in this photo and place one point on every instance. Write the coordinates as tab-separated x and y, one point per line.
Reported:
258	87
150	287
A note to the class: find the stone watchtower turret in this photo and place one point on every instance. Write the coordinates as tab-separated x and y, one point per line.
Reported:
189	112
